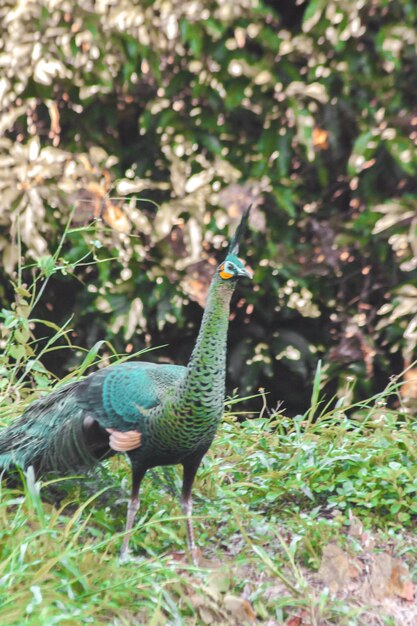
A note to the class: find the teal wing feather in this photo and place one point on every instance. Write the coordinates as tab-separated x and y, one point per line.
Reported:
51	435
121	396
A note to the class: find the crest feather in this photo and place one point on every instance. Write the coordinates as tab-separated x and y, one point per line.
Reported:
235	241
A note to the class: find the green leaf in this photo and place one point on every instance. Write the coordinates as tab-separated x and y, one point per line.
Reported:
90	357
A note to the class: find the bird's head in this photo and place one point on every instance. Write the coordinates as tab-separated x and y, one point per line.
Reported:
232	268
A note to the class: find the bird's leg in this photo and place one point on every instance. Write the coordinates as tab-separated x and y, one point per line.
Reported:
187	509
190	469
132	509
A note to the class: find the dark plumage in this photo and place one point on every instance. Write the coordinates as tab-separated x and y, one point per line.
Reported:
157	414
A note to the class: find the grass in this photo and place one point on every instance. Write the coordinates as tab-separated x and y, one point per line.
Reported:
291	515
271	495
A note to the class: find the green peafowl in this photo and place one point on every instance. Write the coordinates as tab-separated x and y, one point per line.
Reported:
157	414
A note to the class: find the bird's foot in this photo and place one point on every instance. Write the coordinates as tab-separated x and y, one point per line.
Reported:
182	557
126	555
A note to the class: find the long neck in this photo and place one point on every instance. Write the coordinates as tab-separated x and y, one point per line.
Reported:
205	380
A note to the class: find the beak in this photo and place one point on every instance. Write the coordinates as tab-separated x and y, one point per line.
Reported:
246	272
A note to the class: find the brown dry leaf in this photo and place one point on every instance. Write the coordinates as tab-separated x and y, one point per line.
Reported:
234	210
240	608
55	125
197	281
408	591
178	556
400	581
301	619
207	616
380	575
199	604
390	577
220	579
409	388
334	568
116	218
208	606
355	569
320	137
85	162
99	189
196	289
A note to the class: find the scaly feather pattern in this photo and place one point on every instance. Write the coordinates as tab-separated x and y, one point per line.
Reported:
157	414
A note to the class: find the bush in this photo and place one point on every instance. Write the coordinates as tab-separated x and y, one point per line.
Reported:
158	123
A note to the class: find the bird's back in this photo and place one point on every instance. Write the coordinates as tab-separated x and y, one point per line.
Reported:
126	395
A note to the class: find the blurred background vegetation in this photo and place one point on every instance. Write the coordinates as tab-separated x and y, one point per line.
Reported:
144	129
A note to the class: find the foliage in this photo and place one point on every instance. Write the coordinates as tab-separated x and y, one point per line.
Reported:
160	121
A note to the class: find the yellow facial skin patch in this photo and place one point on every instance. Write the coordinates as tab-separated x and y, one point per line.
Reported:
223	274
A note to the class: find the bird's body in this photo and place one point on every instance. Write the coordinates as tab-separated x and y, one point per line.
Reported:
61	432
158	414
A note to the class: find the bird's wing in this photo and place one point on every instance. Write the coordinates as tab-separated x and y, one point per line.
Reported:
119	397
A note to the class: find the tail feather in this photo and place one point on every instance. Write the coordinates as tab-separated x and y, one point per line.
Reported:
50	435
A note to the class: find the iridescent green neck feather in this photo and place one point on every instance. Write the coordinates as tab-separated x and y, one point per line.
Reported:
207	365
191	415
